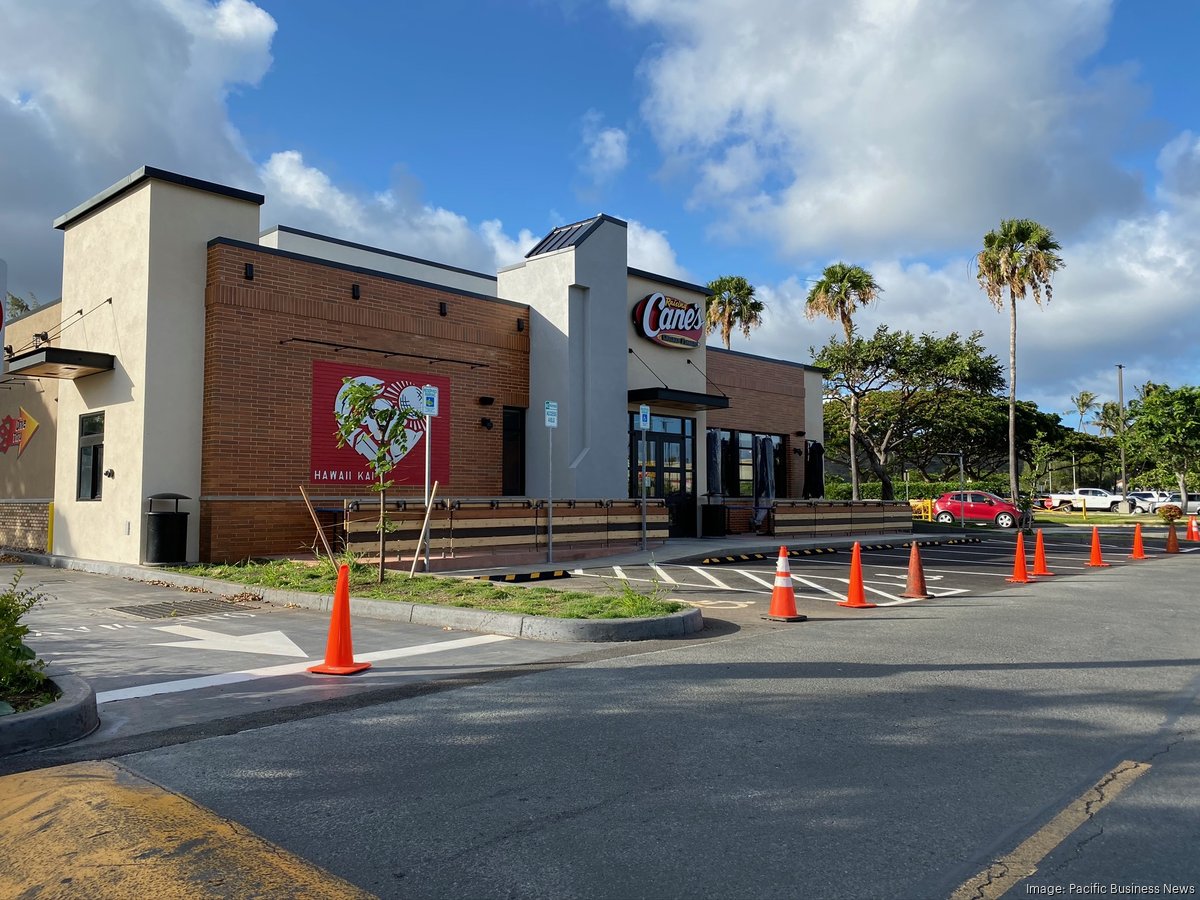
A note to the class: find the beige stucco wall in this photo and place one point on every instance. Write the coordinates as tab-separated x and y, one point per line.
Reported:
29	475
147	250
577	300
671	365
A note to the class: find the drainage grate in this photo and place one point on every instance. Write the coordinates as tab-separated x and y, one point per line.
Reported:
175	608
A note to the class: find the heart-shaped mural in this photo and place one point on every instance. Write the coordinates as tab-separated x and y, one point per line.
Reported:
331	463
395	395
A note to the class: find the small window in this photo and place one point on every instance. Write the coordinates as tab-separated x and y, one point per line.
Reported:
91	456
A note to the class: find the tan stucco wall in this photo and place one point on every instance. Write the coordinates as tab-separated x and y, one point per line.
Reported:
29	475
670	365
147	250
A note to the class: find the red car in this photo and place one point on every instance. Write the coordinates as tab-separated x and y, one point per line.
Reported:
975	506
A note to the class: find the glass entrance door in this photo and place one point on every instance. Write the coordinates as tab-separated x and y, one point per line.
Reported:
670	469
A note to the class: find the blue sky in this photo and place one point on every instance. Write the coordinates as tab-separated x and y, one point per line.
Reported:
759	137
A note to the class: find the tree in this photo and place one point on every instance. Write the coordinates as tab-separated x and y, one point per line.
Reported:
362	407
1166	423
839	293
18	306
1019	256
732	305
1084	402
1108	418
899	383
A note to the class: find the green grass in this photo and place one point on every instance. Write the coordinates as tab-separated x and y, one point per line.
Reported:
556	603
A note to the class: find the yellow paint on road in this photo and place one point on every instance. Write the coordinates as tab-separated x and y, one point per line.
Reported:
98	830
998	878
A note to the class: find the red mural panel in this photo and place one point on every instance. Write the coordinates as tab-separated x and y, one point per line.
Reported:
331	464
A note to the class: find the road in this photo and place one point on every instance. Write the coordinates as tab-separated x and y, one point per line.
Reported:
901	752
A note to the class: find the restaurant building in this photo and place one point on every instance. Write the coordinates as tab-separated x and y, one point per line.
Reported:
194	354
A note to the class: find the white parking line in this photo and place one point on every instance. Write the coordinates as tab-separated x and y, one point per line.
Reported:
663	574
193	684
619	572
755	578
713	578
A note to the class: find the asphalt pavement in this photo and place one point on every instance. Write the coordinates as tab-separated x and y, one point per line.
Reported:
1037	736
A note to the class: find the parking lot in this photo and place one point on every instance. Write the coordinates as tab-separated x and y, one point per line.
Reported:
739	587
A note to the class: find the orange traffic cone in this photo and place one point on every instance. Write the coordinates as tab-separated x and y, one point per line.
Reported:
1039	558
1192	533
1172	539
856	596
1097	561
915	588
1020	574
1139	552
339	649
783	597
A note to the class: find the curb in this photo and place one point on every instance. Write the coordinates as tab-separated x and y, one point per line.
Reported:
69	718
535	628
516	577
747	557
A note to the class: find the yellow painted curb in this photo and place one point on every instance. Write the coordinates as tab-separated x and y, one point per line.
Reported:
98	830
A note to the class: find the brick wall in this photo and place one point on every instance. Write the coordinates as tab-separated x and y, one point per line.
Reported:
24	525
765	396
258	391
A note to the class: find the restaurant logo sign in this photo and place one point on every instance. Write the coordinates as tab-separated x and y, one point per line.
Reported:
16	432
331	464
674	323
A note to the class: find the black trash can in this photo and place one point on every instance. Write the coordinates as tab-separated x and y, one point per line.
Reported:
166	531
712	520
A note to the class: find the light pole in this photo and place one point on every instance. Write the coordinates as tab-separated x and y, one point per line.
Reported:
1121	417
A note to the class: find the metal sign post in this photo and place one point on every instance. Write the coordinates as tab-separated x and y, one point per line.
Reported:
644	425
551	424
429	406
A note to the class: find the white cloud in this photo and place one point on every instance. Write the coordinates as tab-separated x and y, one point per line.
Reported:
650	251
605	150
91	91
883	127
1124	297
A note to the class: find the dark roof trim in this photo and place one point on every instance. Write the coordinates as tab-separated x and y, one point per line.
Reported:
380	251
689	399
145	173
673	282
375	273
571	235
782	362
60	362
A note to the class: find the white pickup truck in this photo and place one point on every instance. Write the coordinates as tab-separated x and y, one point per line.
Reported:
1086	498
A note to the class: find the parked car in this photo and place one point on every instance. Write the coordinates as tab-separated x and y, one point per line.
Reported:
1087	498
975	506
1143	500
1193	504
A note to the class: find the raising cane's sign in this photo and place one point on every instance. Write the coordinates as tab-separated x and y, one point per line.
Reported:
670	322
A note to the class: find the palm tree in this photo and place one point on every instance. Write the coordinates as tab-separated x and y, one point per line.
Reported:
1084	404
839	293
731	305
1020	256
1108	418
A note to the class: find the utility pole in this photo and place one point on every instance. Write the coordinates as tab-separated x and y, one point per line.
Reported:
1121	416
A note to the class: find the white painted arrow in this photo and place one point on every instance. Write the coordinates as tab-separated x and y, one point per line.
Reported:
272	643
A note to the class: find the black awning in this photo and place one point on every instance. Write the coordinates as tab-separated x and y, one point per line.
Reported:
678	399
59	362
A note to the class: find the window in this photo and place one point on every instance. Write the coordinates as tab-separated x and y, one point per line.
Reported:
91	455
738	452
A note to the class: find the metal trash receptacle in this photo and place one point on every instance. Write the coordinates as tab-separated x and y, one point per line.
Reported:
166	531
712	520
